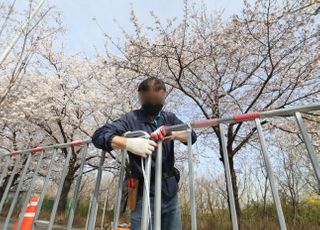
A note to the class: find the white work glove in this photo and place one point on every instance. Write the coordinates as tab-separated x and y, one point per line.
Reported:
140	146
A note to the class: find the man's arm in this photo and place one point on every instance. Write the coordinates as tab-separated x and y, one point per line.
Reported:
109	137
183	137
119	142
102	137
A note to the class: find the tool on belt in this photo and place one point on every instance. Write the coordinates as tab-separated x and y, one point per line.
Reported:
133	185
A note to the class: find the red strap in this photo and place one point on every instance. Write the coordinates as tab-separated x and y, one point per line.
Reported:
246	116
14	153
76	142
37	149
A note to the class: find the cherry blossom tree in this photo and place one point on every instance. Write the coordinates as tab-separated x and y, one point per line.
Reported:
15	65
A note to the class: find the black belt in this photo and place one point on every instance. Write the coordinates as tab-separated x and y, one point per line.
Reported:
165	175
168	174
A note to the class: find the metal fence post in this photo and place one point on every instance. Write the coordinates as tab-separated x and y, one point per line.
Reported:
58	195
44	188
309	145
105	205
88	215
94	202
191	185
282	223
158	178
233	212
146	198
77	187
119	193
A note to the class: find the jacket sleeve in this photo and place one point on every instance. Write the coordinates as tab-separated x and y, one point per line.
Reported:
177	121
102	137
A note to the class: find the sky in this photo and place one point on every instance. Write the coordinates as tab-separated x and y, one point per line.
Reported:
84	35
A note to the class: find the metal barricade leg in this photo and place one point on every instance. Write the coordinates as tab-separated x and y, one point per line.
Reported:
44	187
90	203
146	195
309	145
282	223
232	207
158	178
13	173
26	201
191	185
119	190
94	204
15	198
77	187
58	195
105	204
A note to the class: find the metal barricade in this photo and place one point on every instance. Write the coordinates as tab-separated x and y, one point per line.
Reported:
21	160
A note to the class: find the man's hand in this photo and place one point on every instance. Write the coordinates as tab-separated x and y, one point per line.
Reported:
140	146
160	133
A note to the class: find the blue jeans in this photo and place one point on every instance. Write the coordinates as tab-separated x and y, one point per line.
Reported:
170	214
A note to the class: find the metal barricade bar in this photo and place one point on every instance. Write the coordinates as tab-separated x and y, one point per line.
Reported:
228	178
56	200
268	167
119	193
77	187
145	197
44	188
158	180
309	145
94	204
191	186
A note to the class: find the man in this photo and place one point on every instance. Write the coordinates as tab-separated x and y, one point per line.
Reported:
152	119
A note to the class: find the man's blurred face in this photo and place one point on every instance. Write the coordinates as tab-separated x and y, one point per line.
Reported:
152	101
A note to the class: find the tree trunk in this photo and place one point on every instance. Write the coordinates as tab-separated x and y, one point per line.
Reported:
65	191
67	183
4	185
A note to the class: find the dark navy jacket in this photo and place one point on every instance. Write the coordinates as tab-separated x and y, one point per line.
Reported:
138	120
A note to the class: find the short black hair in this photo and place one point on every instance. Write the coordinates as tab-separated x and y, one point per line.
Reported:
153	83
